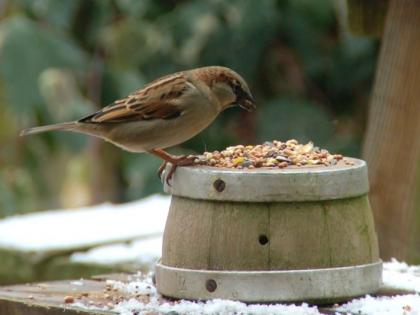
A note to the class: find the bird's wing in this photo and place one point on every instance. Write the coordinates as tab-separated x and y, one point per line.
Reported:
158	100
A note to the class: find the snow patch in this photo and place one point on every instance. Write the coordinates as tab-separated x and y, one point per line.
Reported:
141	252
78	283
399	275
84	227
143	287
400	304
211	307
396	275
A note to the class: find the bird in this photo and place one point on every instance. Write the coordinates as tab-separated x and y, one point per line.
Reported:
166	112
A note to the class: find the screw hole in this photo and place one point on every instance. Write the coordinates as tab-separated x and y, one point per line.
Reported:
211	285
219	185
263	239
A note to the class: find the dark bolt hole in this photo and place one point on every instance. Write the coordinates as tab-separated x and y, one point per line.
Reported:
219	185
211	285
263	239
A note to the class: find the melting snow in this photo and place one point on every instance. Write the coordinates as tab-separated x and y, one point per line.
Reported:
144	286
84	227
401	304
78	283
399	275
215	306
142	252
134	287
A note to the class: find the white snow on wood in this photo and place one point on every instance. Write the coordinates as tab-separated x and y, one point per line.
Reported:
141	286
134	288
78	283
143	252
399	275
144	286
213	307
84	227
401	304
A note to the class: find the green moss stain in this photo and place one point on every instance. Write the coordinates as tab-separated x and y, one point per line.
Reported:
327	231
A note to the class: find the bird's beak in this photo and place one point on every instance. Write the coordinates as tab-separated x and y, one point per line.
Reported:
248	103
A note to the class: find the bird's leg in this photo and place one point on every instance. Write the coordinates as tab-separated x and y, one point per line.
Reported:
174	160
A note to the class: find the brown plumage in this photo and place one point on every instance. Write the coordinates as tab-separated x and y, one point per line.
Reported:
164	113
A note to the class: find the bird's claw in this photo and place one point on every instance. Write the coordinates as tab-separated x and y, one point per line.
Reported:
178	161
161	169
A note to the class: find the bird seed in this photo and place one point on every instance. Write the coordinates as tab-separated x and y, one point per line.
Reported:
272	154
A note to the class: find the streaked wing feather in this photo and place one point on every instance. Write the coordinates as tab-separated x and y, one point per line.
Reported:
157	100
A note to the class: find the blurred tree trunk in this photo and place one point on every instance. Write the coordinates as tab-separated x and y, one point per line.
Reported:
105	165
105	159
366	17
392	144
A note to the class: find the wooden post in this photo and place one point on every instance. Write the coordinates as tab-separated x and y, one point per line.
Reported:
392	144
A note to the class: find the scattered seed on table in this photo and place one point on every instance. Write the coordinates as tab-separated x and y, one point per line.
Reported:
68	299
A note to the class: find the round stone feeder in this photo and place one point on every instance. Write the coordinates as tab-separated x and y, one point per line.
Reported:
265	235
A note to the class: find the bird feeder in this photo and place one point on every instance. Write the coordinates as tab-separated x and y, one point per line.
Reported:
264	235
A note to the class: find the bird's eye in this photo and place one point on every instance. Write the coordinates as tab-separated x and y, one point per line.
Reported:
233	84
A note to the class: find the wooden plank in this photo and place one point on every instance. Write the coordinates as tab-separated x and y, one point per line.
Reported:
331	233
214	235
48	298
236	229
187	234
351	230
11	307
392	145
298	236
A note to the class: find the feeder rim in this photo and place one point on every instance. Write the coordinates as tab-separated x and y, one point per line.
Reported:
306	183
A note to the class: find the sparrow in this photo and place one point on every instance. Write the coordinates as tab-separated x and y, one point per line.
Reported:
166	112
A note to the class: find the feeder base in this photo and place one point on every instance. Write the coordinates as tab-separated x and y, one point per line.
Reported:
313	285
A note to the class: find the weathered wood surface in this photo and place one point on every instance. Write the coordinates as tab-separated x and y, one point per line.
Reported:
392	145
244	234
215	235
346	179
47	298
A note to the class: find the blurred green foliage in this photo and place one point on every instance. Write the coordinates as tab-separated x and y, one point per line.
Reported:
61	59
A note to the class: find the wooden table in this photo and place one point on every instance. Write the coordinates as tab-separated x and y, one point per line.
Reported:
48	298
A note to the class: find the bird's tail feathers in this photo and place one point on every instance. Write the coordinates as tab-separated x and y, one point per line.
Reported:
35	130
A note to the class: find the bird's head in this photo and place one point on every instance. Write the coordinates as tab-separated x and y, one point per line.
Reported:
229	88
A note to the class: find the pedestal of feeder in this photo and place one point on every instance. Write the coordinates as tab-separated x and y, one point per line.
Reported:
264	235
